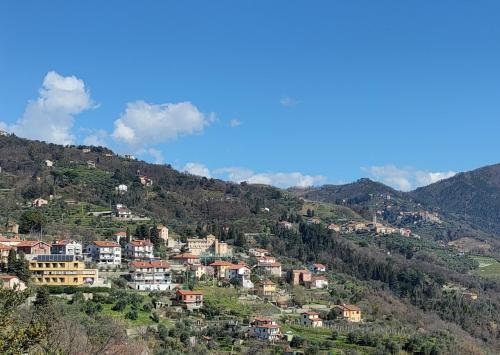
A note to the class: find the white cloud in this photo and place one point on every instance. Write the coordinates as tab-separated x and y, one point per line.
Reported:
197	169
276	179
157	155
235	123
143	124
287	101
96	138
51	116
405	179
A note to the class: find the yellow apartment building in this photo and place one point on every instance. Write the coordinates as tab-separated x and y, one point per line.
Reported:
62	270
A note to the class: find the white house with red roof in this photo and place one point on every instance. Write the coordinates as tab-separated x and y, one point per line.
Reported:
66	247
240	272
318	282
189	299
150	275
265	329
317	268
139	249
105	253
310	319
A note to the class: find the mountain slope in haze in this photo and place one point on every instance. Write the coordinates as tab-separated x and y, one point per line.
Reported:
472	196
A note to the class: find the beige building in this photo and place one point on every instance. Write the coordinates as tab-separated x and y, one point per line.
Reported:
349	312
11	282
64	270
208	246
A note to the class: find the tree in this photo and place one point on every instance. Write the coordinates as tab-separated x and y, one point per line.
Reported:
32	221
18	265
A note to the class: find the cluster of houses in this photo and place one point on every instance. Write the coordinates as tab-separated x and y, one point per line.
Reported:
65	262
365	227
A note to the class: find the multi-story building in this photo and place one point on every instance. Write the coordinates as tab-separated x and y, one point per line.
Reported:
65	270
300	277
265	329
240	272
185	258
209	246
68	247
105	253
310	319
33	247
349	312
266	288
220	267
270	265
150	275
189	299
162	233
139	249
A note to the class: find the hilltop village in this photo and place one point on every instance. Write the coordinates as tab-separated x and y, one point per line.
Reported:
178	264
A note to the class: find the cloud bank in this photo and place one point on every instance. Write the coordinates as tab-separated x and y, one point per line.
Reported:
405	179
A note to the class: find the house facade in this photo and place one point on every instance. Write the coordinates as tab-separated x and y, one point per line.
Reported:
68	247
139	249
209	245
269	265
105	253
349	312
63	270
11	282
190	300
311	319
265	288
265	329
33	247
185	259
300	277
150	275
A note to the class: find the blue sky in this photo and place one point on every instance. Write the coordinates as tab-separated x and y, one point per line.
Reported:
280	92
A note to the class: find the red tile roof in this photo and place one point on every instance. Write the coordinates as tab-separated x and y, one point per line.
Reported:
140	243
105	243
62	242
349	307
5	247
185	256
121	234
221	263
189	292
150	264
29	243
7	277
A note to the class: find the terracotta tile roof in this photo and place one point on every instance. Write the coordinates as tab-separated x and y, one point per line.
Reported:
5	247
221	263
349	307
185	256
150	264
29	243
4	239
237	266
311	313
141	243
262	319
189	292
7	277
121	234
105	243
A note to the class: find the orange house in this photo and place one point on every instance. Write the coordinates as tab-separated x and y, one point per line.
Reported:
189	299
349	312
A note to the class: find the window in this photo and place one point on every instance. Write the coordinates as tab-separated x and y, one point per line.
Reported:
75	279
75	265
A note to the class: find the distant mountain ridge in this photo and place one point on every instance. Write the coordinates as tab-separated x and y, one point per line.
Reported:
470	197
